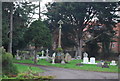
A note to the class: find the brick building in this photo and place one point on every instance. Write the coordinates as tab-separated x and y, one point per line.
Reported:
116	44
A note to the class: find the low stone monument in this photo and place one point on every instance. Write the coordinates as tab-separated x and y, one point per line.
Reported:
68	57
99	64
53	58
105	65
85	58
113	63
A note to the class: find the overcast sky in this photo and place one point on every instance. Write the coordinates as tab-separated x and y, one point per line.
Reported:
43	8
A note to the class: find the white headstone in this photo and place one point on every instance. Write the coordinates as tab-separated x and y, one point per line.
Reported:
53	58
92	60
85	58
113	63
42	53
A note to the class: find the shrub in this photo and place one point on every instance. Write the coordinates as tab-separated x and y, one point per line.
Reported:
23	52
8	67
39	53
59	49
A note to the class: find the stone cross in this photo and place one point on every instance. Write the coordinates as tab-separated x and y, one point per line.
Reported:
59	41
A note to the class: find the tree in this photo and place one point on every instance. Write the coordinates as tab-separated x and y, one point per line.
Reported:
22	16
38	35
77	15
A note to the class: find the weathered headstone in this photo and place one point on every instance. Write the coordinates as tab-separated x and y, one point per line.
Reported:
113	63
37	57
102	62
99	64
68	57
105	65
53	58
17	55
47	53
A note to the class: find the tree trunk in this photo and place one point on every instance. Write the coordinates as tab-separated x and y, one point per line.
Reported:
79	50
39	11
35	56
11	30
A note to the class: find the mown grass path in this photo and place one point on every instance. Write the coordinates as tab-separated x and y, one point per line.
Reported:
72	65
62	73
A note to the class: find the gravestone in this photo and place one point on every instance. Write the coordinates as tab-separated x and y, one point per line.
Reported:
68	57
63	58
102	62
47	52
105	65
42	53
17	56
92	60
37	57
99	64
53	58
78	57
113	63
85	58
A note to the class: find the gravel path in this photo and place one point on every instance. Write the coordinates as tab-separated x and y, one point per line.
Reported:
62	73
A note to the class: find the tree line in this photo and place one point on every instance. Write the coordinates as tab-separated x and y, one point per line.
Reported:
75	17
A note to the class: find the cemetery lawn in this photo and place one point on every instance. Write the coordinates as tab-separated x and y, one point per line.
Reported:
25	68
72	65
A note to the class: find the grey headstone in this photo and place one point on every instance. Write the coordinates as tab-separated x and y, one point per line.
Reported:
68	57
99	64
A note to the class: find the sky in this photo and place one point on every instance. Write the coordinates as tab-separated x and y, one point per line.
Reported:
43	8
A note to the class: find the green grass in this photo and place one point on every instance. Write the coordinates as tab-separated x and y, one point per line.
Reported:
72	65
25	68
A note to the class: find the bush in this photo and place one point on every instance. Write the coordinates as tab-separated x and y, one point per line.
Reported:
39	53
29	75
59	49
8	67
23	52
